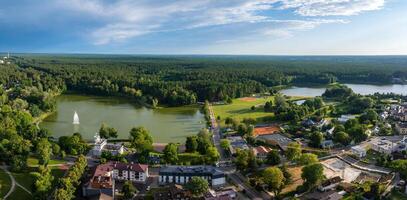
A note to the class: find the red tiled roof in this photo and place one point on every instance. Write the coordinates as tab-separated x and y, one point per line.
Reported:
266	130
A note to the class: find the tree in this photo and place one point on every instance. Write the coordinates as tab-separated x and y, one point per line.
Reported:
274	179
191	145
141	139
341	137
241	159
307	158
400	166
107	132
293	151
212	155
171	153
273	158
225	144
312	174
128	190
316	139
44	151
204	141
252	161
370	116
197	186
242	129
43	182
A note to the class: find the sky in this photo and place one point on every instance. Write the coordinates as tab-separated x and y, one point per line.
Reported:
249	27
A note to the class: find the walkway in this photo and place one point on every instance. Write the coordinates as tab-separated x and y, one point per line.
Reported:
13	183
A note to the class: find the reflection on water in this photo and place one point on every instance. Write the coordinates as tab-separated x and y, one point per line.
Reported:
363	89
165	125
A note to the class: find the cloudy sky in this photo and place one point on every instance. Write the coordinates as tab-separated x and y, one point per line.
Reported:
272	27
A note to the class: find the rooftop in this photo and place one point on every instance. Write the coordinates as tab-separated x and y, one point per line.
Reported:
276	139
198	169
266	130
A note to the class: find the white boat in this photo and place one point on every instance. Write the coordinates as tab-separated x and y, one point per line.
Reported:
75	118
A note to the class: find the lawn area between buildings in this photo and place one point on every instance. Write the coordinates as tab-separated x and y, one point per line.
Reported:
5	183
241	108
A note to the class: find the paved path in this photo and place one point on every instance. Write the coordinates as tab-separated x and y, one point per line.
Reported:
13	182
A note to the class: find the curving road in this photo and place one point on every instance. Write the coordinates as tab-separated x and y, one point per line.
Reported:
13	182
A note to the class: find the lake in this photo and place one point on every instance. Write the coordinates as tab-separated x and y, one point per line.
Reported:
363	89
165	124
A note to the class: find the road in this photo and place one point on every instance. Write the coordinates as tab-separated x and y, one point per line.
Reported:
234	176
14	183
216	133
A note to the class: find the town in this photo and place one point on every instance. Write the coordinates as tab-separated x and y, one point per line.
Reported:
323	153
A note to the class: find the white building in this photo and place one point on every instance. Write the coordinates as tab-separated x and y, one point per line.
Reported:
182	174
101	145
359	151
345	118
388	145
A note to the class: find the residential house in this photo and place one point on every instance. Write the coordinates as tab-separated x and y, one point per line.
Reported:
101	145
401	128
182	174
172	192
237	142
224	194
261	152
104	177
276	139
330	184
359	151
326	144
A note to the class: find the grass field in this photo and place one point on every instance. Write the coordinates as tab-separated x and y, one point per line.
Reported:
19	193
241	108
5	183
33	162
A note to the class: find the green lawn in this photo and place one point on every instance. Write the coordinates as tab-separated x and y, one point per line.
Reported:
24	178
20	194
5	183
241	109
33	162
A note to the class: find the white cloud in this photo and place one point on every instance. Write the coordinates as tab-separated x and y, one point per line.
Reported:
125	19
332	7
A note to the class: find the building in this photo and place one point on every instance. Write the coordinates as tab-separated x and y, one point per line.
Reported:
172	192
1	61
276	139
401	128
359	151
265	130
345	118
224	194
182	174
330	184
101	145
388	145
237	142
261	152
104	177
326	144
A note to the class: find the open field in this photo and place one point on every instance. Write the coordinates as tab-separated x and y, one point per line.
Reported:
241	108
19	193
296	180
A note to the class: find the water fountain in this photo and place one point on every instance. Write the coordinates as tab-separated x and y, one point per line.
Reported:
75	118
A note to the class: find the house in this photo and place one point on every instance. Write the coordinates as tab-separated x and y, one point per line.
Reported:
345	118
172	192
104	177
330	184
182	174
237	142
359	151
326	144
401	128
101	145
265	130
224	194
276	139
261	152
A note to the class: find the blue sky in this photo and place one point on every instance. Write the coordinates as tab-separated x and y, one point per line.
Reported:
269	27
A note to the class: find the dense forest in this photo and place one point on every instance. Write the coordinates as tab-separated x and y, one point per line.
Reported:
181	80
